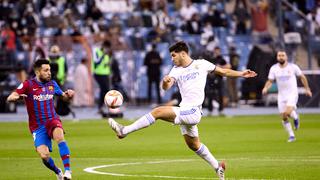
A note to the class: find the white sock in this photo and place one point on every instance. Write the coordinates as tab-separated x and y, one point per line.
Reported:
287	126
205	154
143	122
294	115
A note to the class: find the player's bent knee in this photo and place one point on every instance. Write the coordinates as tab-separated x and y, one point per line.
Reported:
157	112
44	154
58	135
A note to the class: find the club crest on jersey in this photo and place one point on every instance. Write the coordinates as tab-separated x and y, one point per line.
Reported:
50	88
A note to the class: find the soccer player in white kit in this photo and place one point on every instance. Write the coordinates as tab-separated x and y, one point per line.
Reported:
284	74
191	77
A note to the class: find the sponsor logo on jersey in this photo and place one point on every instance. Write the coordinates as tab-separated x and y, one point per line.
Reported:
189	76
42	97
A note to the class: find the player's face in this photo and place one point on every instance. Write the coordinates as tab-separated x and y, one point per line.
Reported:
43	73
282	57
176	58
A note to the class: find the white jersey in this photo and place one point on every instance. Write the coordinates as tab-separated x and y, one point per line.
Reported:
191	81
286	79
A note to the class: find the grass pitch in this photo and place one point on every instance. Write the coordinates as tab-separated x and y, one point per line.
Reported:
254	147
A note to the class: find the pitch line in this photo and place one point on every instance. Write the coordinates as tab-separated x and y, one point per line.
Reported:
94	171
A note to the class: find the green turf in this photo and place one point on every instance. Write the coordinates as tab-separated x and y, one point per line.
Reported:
254	147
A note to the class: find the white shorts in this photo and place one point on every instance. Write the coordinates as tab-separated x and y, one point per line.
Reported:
188	118
289	101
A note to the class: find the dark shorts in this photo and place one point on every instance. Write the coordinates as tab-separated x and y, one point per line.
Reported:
51	125
43	135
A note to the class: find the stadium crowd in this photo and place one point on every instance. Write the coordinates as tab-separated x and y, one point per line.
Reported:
76	30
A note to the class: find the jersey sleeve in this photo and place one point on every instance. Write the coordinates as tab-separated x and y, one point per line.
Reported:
208	66
57	89
297	70
173	73
23	87
271	75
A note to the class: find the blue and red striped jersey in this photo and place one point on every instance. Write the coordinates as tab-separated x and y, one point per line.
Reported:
40	101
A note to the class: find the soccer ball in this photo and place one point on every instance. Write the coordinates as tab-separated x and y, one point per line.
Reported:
113	99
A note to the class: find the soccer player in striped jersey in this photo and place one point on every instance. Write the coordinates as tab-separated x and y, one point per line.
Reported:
190	75
44	123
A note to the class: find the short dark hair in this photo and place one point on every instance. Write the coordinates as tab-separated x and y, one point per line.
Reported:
179	46
39	63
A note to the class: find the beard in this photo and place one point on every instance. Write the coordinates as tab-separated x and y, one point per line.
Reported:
45	80
281	62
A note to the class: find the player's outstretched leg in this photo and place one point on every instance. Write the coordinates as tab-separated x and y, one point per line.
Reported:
123	131
295	118
43	151
165	113
63	150
202	151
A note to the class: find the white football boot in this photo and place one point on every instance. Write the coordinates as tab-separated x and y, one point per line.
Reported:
220	170
60	175
67	175
116	127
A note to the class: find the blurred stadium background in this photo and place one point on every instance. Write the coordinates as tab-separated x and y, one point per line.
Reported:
255	29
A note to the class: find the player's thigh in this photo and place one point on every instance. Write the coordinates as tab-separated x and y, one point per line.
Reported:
189	130
187	115
289	109
282	104
192	142
165	113
41	138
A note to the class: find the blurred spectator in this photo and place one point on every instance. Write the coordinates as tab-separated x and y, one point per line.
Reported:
216	17
8	40
194	24
116	79
50	15
81	89
234	59
259	14
135	20
114	6
102	70
161	19
153	62
241	16
30	21
94	13
215	84
58	64
187	10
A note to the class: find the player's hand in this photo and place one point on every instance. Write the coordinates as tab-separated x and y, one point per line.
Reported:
308	92
15	97
248	73
264	91
69	93
167	79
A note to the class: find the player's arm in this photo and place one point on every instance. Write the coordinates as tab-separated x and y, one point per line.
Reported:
167	82
306	85
267	86
14	96
232	73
